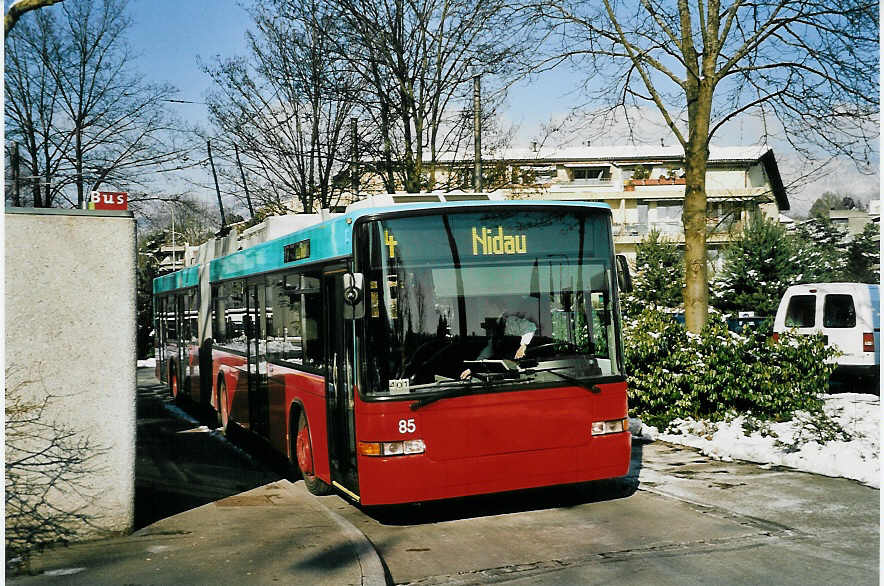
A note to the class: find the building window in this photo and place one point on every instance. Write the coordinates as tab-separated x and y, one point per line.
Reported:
591	174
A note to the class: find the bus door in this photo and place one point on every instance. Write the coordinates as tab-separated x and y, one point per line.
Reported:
255	326
339	385
190	342
181	337
160	336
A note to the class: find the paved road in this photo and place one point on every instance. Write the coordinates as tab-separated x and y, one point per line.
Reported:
679	518
181	463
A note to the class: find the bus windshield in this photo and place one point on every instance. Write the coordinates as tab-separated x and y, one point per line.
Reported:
517	297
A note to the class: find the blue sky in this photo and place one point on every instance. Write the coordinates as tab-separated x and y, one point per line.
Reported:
170	35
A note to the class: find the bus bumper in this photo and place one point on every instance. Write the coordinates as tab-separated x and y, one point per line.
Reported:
408	479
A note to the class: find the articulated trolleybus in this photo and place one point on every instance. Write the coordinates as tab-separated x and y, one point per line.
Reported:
412	351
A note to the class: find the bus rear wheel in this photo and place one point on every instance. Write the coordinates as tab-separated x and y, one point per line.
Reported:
304	455
173	385
222	414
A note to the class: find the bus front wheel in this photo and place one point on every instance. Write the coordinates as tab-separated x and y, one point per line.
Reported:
304	454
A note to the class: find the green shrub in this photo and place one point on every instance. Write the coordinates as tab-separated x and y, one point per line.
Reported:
675	374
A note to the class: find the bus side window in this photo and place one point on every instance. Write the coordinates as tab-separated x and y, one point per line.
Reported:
312	323
281	307
234	313
194	317
219	302
171	324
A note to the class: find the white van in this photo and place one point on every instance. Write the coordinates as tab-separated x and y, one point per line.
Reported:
847	315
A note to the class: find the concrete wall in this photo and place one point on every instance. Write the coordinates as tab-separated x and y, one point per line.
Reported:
70	331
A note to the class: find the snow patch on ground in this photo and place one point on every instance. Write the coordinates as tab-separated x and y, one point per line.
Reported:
804	443
147	363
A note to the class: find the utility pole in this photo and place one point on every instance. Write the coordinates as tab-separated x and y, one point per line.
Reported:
354	160
244	184
217	189
174	252
477	134
16	194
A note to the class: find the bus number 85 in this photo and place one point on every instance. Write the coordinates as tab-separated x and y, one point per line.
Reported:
406	426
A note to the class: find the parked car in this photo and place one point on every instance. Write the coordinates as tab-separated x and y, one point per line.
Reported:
735	323
848	317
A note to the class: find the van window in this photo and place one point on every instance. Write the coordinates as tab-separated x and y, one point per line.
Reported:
838	312
800	313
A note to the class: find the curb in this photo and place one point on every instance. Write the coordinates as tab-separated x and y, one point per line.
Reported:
370	563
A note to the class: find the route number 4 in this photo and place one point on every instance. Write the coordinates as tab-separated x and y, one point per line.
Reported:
406	426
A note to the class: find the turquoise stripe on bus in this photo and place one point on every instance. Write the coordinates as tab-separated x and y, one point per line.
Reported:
330	239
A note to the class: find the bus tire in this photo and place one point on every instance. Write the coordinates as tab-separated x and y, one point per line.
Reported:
174	388
293	471
223	413
304	455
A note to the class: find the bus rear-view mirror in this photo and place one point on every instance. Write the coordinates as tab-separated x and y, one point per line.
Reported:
354	297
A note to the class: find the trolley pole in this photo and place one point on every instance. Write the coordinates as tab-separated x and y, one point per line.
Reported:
217	189
244	184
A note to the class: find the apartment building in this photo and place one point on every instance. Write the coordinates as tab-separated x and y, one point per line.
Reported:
644	185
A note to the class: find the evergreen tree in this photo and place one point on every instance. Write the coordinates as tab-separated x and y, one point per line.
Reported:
757	269
659	274
864	256
821	252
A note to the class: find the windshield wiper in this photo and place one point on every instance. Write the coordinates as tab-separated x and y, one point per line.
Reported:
579	382
456	388
453	389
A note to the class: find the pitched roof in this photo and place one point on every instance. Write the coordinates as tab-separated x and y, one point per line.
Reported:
618	153
622	154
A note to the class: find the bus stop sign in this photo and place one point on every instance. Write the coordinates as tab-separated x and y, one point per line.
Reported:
108	200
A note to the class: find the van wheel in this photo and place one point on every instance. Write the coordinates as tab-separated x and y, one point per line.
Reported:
304	454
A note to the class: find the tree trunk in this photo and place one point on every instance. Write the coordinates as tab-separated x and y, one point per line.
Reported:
696	296
696	291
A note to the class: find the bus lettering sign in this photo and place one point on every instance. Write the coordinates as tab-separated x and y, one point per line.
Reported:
499	243
297	251
108	200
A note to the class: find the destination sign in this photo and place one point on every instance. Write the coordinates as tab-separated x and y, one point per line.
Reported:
297	251
487	241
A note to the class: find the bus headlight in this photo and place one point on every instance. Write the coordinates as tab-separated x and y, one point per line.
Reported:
611	426
403	448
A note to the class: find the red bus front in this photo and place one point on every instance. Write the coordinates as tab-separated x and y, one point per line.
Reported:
486	355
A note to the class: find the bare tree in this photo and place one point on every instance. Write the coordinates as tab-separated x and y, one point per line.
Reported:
31	105
810	65
417	60
45	458
84	117
286	107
